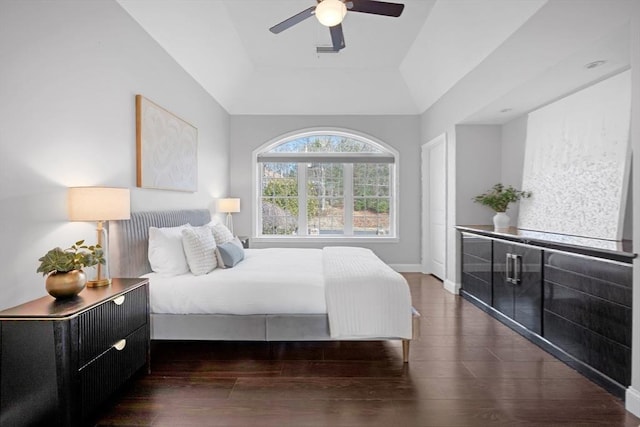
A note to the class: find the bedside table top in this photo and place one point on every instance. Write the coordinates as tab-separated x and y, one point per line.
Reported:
50	308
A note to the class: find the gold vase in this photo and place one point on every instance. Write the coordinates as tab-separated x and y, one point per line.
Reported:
65	285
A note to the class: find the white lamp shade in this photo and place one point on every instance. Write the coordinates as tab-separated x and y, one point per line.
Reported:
228	205
98	203
331	12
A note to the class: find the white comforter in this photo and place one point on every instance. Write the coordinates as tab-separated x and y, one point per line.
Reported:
267	281
362	296
365	297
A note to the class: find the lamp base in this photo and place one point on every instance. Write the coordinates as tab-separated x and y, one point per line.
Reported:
98	283
230	222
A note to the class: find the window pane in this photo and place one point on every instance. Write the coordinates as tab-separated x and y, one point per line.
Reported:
279	198
371	199
325	144
325	198
311	168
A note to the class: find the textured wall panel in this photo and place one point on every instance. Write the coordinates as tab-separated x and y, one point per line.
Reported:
577	162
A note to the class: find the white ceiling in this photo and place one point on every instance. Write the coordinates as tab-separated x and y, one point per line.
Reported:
389	66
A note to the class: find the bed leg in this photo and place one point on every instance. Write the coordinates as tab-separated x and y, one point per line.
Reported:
405	350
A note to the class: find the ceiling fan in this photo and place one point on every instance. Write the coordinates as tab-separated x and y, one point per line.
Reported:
330	13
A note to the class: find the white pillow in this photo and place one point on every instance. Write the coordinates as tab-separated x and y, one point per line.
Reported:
221	233
200	249
214	220
166	254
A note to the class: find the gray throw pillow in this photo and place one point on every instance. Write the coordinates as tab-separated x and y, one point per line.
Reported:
230	253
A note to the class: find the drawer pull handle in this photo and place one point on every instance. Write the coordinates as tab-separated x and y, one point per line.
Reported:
120	345
119	300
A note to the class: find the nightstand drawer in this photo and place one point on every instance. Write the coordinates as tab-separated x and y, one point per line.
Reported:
100	327
100	378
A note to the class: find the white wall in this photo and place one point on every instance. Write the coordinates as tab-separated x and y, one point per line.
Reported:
473	157
633	393
514	136
400	132
478	157
69	74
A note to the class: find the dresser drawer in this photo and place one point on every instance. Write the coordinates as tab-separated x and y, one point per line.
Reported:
100	378
478	247
100	327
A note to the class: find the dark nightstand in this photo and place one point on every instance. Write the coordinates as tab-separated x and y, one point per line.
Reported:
245	241
60	359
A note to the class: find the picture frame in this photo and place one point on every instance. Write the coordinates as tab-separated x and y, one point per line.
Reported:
166	149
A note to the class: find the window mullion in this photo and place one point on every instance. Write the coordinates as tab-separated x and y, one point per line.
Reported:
347	171
303	228
259	199
393	197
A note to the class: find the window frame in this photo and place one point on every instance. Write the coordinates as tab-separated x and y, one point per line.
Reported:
394	229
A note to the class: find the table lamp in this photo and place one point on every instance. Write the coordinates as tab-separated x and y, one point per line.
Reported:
99	204
228	206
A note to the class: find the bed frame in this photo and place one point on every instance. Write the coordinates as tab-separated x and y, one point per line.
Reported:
128	257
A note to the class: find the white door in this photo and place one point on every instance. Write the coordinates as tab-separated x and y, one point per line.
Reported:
434	206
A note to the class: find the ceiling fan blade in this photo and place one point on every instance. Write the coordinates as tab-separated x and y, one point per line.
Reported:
375	7
295	19
337	37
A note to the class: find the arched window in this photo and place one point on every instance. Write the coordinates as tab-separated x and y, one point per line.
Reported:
326	184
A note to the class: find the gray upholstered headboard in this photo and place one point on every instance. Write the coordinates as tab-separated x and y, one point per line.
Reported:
129	239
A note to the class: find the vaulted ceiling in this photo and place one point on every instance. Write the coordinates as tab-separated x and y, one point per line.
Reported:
389	66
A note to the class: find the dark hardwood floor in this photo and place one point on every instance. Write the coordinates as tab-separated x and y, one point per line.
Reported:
467	369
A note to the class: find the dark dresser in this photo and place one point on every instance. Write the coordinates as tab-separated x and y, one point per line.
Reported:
570	295
60	359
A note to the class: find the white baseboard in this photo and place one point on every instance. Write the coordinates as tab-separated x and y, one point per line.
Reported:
632	401
406	268
452	287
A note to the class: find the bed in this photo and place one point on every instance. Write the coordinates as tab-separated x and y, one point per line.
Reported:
314	306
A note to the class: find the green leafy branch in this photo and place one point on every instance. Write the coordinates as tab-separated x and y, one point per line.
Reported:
76	257
499	197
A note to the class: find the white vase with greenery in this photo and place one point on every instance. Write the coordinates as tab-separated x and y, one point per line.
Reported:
499	198
501	221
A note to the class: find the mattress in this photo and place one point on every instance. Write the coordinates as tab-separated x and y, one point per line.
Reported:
267	281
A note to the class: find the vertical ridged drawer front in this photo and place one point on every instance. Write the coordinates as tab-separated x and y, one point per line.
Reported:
100	378
100	327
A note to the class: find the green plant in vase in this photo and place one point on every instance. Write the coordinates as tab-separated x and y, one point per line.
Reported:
499	198
63	268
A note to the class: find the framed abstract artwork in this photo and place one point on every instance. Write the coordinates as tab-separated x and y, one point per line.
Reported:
166	149
577	162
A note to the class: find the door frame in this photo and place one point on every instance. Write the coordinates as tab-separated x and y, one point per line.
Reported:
425	261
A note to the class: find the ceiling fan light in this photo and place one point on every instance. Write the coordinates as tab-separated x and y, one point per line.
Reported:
331	12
